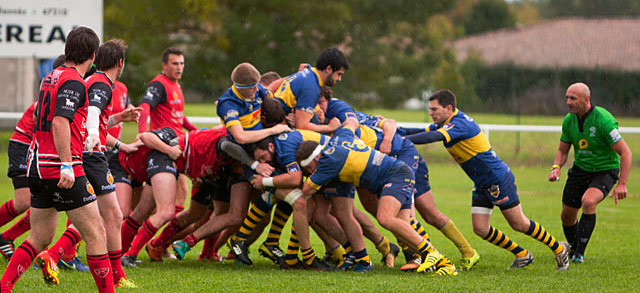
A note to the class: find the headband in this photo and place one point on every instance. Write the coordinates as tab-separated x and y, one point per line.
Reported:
313	155
244	86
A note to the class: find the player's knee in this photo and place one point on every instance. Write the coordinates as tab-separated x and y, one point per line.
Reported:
300	204
385	221
589	204
480	230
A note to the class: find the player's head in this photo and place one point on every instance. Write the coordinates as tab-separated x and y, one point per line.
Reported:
578	98
333	64
173	63
442	104
325	96
264	151
81	45
271	113
269	77
111	55
245	78
59	61
307	156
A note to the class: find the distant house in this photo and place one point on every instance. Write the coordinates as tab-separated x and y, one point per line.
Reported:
601	52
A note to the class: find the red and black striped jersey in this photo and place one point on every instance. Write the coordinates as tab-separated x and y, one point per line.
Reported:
24	129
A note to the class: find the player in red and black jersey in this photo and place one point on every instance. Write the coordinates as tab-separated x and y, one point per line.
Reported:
56	176
163	103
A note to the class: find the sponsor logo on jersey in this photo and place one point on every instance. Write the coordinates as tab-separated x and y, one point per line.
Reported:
283	136
109	177
583	144
592	131
447	126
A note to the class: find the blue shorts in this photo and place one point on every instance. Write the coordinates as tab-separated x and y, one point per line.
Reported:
409	155
400	185
336	188
504	194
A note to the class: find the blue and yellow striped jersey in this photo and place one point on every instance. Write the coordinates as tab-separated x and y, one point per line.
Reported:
233	110
287	143
351	161
470	148
340	109
301	91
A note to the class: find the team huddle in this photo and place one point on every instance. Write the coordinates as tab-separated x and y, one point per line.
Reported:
286	147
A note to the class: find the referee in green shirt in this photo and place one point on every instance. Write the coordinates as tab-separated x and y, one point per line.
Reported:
601	158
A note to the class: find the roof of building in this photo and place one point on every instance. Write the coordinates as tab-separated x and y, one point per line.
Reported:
561	43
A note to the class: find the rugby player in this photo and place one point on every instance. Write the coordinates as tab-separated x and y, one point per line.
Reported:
56	177
350	160
602	157
494	183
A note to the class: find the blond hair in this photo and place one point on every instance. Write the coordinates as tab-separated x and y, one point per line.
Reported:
245	74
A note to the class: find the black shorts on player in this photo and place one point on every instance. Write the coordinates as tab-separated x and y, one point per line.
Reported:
578	181
97	171
45	194
159	162
18	153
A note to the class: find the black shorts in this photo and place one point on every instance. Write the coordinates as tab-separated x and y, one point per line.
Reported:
46	194
18	153
578	181
97	171
118	172
159	162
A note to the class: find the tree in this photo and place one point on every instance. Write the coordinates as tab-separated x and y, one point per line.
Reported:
488	15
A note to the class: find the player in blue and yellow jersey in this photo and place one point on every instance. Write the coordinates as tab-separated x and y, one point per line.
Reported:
349	160
494	183
380	133
300	91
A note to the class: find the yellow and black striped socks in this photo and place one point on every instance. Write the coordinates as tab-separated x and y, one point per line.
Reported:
256	213
500	239
538	232
337	252
308	255
362	256
416	226
425	247
280	217
291	255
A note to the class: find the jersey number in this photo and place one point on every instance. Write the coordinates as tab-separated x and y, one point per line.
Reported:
44	103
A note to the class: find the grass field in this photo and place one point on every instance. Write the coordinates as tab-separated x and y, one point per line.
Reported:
610	262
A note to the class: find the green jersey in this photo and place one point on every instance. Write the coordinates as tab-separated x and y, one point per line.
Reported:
592	138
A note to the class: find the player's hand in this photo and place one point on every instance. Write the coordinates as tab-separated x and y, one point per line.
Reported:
334	124
67	177
175	152
280	128
196	182
130	114
619	192
554	175
385	147
265	169
291	120
90	142
320	114
130	147
257	182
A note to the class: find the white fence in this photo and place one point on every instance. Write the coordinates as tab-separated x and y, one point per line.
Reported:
487	128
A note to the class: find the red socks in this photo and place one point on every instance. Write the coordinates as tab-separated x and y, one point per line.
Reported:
116	265
169	231
20	262
65	244
7	212
20	227
100	267
144	235
128	231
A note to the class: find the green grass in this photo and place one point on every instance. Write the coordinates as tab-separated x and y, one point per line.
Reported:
611	258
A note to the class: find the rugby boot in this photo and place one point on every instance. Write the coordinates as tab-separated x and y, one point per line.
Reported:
49	268
272	252
521	262
296	266
6	248
412	265
319	265
348	262
125	284
240	250
445	268
578	258
75	265
363	267
129	261
562	258
468	263
389	260
430	260
180	248
155	253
